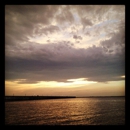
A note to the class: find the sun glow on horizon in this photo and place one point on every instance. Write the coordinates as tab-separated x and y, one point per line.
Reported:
123	76
78	81
79	85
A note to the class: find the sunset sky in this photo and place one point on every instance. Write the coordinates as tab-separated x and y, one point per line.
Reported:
65	50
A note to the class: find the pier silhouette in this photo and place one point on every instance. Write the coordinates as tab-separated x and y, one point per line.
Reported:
23	98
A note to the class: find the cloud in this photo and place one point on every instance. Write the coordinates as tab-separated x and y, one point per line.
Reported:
64	63
32	13
86	22
64	15
116	43
46	30
48	40
77	37
21	20
58	58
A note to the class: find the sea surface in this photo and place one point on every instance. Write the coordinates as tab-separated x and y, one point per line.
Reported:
72	111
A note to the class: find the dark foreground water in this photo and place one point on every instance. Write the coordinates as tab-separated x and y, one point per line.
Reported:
73	111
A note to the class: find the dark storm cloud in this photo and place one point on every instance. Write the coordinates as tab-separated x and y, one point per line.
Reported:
57	65
32	13
116	42
20	20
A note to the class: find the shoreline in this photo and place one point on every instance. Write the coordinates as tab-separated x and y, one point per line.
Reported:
25	98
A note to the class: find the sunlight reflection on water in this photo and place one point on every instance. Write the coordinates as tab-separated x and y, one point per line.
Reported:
77	111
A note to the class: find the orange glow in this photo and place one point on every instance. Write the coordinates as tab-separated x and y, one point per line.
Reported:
75	82
123	76
77	87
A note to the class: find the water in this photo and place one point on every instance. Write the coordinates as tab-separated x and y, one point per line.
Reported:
73	111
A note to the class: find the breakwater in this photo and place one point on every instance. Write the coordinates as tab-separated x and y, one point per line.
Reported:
22	98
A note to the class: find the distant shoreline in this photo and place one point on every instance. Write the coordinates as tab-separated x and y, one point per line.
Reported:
99	96
25	98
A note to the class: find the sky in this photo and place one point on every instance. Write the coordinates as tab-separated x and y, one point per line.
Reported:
65	50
